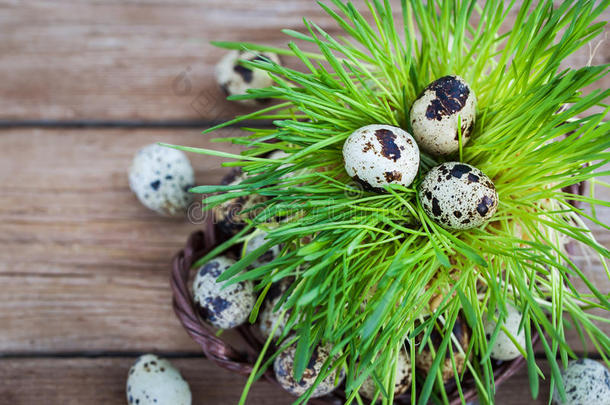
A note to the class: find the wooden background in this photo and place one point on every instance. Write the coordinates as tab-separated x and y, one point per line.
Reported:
83	266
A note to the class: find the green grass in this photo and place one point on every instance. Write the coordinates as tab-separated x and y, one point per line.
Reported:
375	260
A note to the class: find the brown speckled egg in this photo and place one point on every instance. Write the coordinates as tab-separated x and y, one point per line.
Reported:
434	115
229	216
234	78
155	381
585	381
283	366
227	307
376	155
424	360
458	196
402	378
503	347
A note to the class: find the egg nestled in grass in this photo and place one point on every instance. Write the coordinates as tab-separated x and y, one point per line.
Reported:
446	108
231	215
257	240
503	348
458	196
377	155
236	79
424	360
270	316
226	307
402	378
283	366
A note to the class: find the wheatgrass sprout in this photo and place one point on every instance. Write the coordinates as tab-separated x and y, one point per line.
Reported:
358	282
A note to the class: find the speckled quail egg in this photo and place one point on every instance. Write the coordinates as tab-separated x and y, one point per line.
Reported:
230	216
234	78
227	307
402	378
458	196
283	366
257	240
504	348
434	115
443	289
585	381
161	177
424	360
376	155
268	318
155	381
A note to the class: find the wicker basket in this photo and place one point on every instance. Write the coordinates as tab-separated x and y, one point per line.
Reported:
242	361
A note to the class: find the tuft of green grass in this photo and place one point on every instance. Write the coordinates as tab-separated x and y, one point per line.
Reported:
364	281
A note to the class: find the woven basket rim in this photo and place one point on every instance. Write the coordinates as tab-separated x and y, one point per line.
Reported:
242	362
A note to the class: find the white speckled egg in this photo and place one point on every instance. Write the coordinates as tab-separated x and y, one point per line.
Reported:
504	348
402	379
161	177
283	366
257	240
268	318
235	78
434	115
227	307
155	381
230	216
424	360
585	381
458	196
376	155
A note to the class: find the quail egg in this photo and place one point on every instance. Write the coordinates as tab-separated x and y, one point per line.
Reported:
458	196
155	381
434	115
268	318
376	155
234	78
227	307
424	360
503	348
402	378
161	177
229	216
283	366
585	381
257	240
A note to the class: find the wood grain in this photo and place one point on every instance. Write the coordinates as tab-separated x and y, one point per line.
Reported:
71	381
143	60
84	266
102	381
130	60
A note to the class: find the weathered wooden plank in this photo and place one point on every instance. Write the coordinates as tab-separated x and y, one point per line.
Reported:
129	60
83	265
102	381
142	59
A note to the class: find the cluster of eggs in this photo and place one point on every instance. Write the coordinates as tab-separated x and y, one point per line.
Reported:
227	305
455	195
